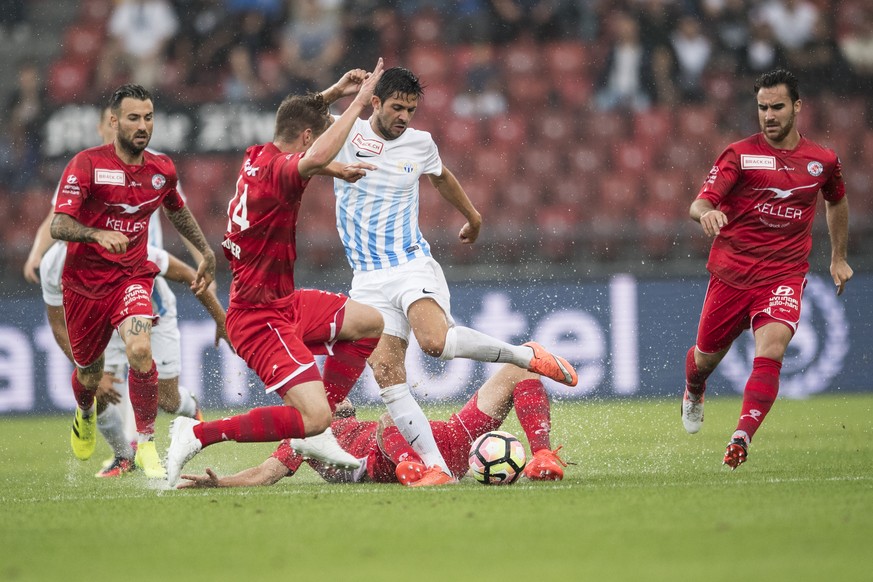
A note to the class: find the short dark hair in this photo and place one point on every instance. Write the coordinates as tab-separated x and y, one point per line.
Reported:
778	77
296	113
129	90
398	80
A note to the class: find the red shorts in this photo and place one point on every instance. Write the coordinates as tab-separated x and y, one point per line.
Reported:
90	322
273	340
453	438
728	311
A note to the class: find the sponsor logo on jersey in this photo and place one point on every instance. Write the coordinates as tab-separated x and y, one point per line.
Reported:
251	170
158	181
748	162
71	179
373	146
815	168
131	208
111	177
779	193
784	291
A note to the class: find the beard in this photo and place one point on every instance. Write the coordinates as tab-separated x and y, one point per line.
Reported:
129	146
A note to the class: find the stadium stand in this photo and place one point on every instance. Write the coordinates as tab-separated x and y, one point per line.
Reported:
512	107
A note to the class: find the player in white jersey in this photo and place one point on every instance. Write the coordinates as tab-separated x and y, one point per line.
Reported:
377	219
166	339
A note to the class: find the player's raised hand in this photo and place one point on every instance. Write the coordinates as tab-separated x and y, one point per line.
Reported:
365	93
350	82
111	240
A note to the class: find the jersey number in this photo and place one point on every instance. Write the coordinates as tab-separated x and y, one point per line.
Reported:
239	212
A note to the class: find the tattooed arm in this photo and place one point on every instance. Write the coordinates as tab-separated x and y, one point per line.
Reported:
65	227
187	226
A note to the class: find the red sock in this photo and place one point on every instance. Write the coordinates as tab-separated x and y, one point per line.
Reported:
144	398
534	414
759	395
84	397
259	425
344	367
396	447
695	380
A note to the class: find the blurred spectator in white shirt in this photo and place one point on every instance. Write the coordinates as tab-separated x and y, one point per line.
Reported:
139	32
792	21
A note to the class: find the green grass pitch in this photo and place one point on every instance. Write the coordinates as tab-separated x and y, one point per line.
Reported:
644	501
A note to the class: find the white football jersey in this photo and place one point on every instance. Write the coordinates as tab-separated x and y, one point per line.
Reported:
377	216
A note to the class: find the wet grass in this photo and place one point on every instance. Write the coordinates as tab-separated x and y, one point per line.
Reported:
645	501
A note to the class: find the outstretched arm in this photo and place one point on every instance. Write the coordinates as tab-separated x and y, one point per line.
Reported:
450	189
838	229
267	473
187	226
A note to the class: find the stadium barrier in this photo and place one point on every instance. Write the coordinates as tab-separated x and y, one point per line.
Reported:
627	337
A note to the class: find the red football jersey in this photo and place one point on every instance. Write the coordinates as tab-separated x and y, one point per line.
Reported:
262	226
99	190
356	437
769	197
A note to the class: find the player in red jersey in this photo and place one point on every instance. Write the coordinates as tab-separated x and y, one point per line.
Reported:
106	197
274	327
386	457
759	204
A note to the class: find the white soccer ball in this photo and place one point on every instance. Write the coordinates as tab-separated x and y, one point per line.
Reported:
497	458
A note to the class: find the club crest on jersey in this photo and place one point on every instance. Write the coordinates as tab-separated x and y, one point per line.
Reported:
408	167
158	181
748	162
368	145
815	168
111	177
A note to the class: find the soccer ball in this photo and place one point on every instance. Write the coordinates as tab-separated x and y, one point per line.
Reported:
496	458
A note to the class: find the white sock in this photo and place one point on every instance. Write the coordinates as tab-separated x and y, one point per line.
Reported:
464	342
187	403
110	423
412	424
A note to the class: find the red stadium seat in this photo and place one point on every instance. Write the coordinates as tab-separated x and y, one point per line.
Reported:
459	133
69	81
432	64
586	159
632	157
508	129
697	123
495	162
522	57
653	125
83	43
558	227
618	195
95	13
208	182
566	59
574	91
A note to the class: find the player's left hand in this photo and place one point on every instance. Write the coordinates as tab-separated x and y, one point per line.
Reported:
469	233
209	480
841	273
221	334
205	274
355	171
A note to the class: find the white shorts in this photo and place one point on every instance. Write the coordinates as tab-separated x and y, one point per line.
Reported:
392	290
166	339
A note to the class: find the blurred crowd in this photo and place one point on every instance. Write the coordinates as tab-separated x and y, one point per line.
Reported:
557	90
